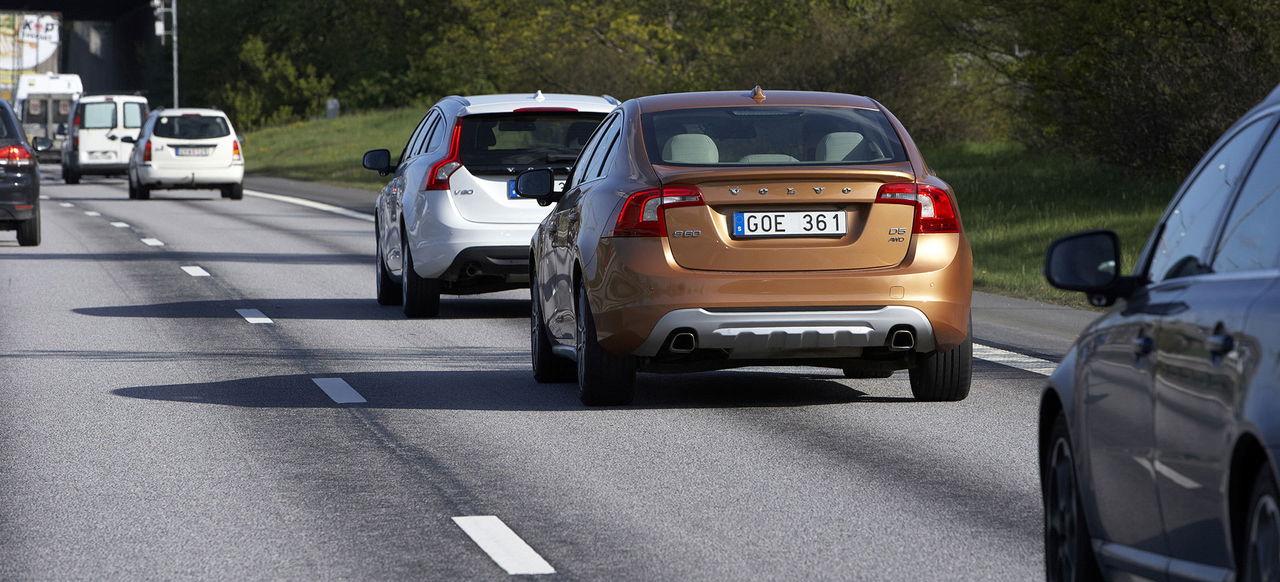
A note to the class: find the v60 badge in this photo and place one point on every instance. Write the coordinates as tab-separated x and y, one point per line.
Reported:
686	233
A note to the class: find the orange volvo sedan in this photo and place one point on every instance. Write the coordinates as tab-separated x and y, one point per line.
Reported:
703	231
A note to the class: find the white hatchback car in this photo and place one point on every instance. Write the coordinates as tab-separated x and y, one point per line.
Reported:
95	143
186	148
449	220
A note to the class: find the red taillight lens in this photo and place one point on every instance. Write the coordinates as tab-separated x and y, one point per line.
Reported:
75	142
146	152
76	121
644	213
15	155
235	151
438	177
934	209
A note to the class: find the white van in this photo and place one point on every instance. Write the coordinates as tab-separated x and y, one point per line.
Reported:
93	140
43	103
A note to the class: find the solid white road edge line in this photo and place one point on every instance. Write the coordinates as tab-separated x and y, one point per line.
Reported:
1014	360
152	242
92	213
195	271
503	545
120	224
254	316
311	204
339	390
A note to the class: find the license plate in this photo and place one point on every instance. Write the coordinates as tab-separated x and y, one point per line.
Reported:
191	151
789	223
557	185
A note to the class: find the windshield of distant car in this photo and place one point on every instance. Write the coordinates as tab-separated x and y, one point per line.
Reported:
771	135
508	143
97	115
192	126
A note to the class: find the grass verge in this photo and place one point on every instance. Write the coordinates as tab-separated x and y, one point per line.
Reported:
1013	202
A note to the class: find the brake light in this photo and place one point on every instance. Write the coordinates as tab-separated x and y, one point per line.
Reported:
76	121
438	177
644	212
235	151
545	110
146	152
15	155
75	143
935	211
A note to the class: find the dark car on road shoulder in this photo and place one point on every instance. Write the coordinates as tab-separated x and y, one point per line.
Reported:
20	183
1160	430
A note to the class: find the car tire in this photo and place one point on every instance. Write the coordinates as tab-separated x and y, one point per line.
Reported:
420	296
29	229
69	175
943	376
1262	530
233	191
143	192
388	289
548	368
604	379
1068	550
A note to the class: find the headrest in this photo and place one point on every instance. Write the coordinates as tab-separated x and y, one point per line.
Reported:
834	147
767	159
691	148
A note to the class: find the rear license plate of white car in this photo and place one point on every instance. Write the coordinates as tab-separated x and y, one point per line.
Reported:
789	223
558	185
192	151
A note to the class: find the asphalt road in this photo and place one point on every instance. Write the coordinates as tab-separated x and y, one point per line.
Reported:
149	430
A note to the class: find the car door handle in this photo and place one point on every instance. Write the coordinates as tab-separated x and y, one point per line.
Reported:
1220	343
1141	345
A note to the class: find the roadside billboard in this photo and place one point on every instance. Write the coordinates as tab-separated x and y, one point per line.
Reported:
30	42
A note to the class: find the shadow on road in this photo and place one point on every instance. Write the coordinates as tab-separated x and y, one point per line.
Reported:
205	258
286	309
512	390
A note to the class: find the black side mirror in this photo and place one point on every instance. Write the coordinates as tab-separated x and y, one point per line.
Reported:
42	144
538	184
129	139
378	161
240	138
1088	261
62	129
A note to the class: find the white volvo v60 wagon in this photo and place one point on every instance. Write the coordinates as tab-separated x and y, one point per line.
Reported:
449	221
186	148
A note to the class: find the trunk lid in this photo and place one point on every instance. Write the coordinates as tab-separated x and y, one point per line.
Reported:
738	228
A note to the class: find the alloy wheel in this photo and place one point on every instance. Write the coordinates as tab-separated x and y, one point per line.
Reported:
1263	561
1061	511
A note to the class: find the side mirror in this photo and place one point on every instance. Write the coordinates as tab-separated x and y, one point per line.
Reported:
240	138
378	161
129	139
538	184
42	144
62	129
1088	261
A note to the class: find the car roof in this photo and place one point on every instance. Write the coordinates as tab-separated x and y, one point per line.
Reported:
101	98
191	111
747	98
479	104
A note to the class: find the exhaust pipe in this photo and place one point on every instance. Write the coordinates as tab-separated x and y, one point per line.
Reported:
902	340
473	270
682	343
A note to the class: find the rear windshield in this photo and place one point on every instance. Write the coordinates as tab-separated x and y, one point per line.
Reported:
509	143
97	115
771	135
192	127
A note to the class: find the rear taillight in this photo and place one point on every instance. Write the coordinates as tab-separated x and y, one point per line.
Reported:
146	152
644	213
934	210
235	151
15	155
76	121
75	142
438	177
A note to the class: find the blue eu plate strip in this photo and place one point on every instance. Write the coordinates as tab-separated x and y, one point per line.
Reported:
737	223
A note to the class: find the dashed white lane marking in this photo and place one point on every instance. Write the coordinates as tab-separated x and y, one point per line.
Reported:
92	213
312	204
195	271
503	545
339	391
120	224
65	204
1014	360
43	197
152	242
254	316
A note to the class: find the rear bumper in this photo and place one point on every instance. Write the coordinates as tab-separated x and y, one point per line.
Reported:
169	177
443	242
757	334
15	212
102	168
19	194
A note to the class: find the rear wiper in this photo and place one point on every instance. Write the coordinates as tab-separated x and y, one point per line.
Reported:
561	158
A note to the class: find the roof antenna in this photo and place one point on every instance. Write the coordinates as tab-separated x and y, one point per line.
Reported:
758	94
538	96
